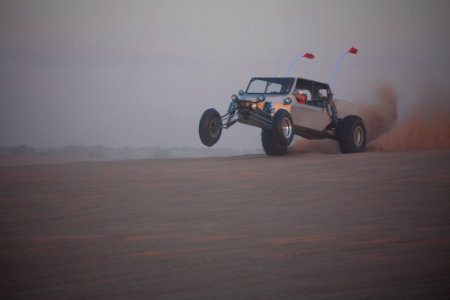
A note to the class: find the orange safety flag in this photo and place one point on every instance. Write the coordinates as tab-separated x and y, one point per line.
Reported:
308	55
353	50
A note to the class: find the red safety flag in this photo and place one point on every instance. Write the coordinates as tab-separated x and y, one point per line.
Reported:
308	55
353	50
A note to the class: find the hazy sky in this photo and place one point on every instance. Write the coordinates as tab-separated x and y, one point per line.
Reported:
140	73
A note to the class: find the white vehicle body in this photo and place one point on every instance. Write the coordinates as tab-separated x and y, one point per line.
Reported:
283	107
310	119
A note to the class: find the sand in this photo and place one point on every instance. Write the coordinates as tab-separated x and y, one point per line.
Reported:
310	226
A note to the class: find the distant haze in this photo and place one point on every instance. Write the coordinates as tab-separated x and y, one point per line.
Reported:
140	73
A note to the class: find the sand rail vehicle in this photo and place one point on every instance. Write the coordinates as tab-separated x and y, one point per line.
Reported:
283	107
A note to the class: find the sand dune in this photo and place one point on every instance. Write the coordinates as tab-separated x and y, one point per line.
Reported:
312	226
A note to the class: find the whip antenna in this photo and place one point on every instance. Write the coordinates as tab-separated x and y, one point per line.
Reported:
291	66
352	50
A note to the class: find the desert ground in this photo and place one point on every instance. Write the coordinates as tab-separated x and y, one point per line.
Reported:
304	226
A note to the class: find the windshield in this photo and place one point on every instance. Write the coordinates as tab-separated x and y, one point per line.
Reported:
271	86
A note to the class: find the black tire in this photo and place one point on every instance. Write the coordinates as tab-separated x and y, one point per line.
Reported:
352	136
283	127
271	145
210	127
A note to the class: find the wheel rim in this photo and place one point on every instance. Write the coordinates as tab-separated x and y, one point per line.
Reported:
214	128
287	128
358	136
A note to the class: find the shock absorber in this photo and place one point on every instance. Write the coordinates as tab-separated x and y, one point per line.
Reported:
231	107
268	107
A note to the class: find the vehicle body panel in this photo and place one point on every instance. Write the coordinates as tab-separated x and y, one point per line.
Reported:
311	119
309	116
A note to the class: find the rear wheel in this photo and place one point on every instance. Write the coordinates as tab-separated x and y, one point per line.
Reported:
283	127
352	135
271	145
210	127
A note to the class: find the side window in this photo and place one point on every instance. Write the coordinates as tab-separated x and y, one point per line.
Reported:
321	94
308	94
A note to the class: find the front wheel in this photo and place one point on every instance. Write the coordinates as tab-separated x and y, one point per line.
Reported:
271	145
352	135
283	128
210	127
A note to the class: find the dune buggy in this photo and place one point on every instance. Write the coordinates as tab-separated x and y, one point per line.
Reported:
283	107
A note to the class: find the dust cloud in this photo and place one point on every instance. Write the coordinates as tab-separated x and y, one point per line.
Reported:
379	114
426	126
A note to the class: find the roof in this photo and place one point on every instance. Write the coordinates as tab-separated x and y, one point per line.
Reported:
316	84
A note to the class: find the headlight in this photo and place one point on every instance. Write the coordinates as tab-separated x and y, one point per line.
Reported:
287	101
234	98
261	98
